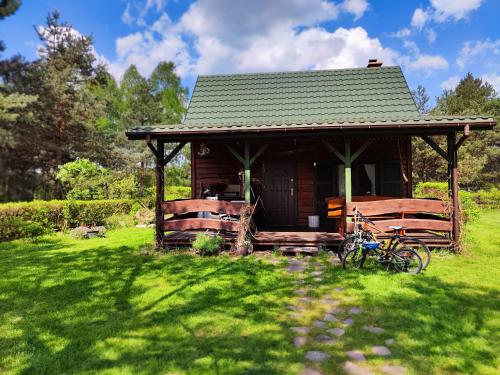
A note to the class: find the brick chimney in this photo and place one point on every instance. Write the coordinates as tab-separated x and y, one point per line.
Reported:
374	63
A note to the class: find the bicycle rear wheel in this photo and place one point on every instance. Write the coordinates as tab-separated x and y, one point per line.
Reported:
354	258
406	260
419	246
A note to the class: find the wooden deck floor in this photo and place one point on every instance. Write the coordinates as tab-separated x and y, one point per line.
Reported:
266	238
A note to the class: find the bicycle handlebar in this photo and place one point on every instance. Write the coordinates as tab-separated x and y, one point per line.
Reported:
362	218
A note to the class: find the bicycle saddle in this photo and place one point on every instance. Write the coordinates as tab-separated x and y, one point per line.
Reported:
397	227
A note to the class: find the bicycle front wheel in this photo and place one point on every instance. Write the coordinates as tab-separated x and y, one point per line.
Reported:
348	244
406	260
354	258
419	246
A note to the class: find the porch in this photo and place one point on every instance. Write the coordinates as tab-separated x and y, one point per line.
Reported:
429	220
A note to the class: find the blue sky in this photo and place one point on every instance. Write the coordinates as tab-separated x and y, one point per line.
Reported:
435	41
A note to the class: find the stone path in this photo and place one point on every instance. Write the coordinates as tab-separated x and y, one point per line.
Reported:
327	330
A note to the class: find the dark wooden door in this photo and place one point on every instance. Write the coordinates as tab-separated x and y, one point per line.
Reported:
279	194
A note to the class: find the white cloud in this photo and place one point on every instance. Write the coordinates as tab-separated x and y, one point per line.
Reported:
431	35
236	22
137	10
403	33
488	50
443	10
218	36
355	7
145	51
419	18
314	48
493	79
456	9
428	63
450	83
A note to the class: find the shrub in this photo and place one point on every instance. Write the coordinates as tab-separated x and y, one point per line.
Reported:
57	215
439	190
15	227
144	216
171	193
205	244
119	221
487	198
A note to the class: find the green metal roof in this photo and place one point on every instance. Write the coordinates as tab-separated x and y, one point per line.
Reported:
326	96
417	125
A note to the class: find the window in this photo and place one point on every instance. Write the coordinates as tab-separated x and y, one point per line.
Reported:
326	185
391	183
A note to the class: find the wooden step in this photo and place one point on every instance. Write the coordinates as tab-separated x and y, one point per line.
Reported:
304	250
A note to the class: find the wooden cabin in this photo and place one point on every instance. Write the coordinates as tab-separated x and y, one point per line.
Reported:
306	147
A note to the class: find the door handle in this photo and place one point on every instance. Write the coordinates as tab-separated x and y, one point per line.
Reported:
291	191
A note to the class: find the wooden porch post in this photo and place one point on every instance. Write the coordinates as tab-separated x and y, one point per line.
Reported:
453	184
160	193
347	171
247	163
248	193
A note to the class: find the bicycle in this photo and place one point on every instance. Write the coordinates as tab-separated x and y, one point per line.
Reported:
400	260
393	241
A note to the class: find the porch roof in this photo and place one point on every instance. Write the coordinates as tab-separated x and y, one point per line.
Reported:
416	125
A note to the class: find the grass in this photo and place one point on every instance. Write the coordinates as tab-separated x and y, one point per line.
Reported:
98	306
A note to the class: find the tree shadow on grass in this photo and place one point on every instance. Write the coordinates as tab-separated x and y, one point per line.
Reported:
439	326
105	309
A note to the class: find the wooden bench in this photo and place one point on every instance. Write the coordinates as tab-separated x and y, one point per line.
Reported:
184	213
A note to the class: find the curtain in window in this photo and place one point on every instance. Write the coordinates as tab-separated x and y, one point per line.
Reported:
370	172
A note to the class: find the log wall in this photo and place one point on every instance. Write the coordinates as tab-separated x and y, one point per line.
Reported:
221	167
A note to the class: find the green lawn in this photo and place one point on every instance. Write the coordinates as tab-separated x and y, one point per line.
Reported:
97	306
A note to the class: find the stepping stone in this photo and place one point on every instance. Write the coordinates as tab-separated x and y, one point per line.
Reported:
319	324
354	369
348	322
295	315
305	299
301	330
337	310
356	355
299	341
390	342
317	273
336	331
310	371
339	289
316	356
329	301
293	308
324	338
295	268
318	279
373	329
300	292
355	310
393	370
381	350
330	318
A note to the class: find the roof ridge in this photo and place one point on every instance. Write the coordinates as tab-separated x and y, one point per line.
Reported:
298	71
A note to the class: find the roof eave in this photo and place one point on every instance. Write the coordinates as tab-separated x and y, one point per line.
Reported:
406	127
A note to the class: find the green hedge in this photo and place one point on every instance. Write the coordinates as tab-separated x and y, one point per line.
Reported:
439	190
57	215
28	219
487	198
